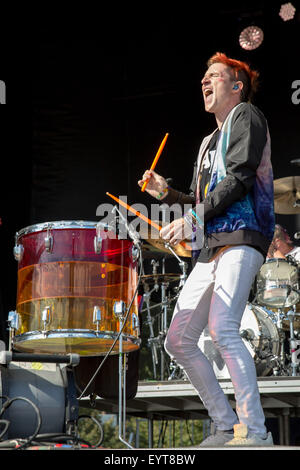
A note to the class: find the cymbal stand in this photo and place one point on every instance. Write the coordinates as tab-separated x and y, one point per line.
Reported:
164	319
175	369
151	340
294	344
282	356
158	341
182	264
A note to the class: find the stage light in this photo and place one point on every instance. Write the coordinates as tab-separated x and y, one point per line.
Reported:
251	38
287	11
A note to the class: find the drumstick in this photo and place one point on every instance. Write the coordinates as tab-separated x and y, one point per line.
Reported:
143	217
131	209
161	147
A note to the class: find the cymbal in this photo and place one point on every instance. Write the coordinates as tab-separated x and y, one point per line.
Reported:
150	251
180	251
151	237
286	193
158	278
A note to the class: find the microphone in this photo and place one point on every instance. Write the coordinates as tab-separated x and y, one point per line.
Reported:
297	236
134	235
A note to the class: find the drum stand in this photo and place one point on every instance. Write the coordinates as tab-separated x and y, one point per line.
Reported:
294	344
156	343
281	358
149	322
176	371
119	311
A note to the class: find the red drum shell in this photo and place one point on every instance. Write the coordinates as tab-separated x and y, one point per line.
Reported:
68	281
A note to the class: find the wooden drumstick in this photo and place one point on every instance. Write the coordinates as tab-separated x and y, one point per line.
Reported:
135	212
143	217
161	147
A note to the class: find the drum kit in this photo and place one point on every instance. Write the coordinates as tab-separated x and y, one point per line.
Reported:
76	280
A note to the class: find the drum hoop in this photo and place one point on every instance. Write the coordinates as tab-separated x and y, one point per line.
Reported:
60	225
273	260
268	322
73	333
251	308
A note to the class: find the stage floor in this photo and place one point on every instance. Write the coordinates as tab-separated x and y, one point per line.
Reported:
178	399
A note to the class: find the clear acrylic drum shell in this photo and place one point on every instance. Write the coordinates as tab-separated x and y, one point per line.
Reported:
263	345
275	283
70	279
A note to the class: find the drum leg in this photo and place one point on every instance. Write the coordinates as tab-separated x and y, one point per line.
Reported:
294	345
119	311
151	340
284	428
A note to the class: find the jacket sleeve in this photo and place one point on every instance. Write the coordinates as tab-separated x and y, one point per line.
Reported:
247	141
178	197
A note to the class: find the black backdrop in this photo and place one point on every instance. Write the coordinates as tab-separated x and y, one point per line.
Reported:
90	95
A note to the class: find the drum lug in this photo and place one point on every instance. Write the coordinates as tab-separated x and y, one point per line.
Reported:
13	325
18	252
49	243
136	323
97	316
97	244
119	309
135	253
46	316
13	320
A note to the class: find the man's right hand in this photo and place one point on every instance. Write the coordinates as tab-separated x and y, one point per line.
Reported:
156	183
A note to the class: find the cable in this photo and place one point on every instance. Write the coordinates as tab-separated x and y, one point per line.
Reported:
6	424
95	420
8	403
162	432
118	336
4	421
188	432
57	438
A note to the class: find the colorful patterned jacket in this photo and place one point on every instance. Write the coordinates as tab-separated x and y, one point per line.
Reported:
239	205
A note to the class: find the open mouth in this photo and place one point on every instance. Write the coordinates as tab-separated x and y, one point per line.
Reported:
207	92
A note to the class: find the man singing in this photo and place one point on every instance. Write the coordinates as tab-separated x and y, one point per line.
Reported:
233	180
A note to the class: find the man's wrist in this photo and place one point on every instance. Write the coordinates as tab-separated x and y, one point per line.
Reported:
163	193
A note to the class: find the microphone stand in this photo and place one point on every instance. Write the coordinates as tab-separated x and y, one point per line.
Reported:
119	312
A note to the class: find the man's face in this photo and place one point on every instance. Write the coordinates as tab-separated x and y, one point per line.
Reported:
217	88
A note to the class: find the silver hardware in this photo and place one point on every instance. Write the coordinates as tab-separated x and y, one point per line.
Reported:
97	244
135	252
119	308
97	316
18	252
13	320
135	323
14	323
46	316
48	243
49	240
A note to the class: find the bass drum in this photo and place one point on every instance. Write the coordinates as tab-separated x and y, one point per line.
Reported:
260	336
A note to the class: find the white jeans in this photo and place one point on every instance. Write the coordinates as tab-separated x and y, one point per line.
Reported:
216	294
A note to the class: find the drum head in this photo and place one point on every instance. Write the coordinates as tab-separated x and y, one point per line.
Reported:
277	284
260	336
